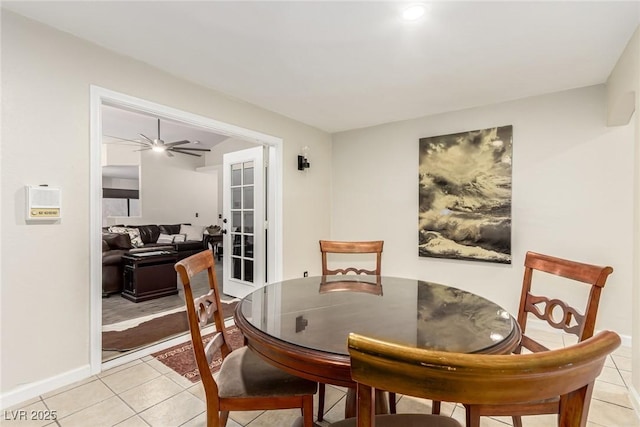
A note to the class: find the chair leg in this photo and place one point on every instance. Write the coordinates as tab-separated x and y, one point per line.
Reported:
321	388
307	411
392	402
224	416
435	407
473	416
517	421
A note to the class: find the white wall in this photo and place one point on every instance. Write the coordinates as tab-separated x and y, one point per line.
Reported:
172	191
623	99
572	194
45	279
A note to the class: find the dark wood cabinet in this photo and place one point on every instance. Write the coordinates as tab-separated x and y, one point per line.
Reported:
149	275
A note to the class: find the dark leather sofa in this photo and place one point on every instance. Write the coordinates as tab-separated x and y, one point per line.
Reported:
114	245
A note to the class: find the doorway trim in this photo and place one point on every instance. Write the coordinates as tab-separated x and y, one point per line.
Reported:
100	96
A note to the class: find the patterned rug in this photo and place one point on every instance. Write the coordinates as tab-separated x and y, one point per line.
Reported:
180	358
154	330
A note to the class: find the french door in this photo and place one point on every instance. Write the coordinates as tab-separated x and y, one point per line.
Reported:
243	193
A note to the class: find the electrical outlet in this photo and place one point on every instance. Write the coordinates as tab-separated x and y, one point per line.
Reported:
305	274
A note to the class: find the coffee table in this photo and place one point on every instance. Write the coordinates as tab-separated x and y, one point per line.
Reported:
149	275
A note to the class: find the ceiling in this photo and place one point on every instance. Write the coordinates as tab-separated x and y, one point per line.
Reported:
119	124
345	65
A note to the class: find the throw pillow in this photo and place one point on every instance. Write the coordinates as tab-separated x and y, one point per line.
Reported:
165	238
178	238
192	232
134	235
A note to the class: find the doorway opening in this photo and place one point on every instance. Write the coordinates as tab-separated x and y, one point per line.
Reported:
100	98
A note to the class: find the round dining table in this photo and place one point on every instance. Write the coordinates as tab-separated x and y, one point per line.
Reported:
301	325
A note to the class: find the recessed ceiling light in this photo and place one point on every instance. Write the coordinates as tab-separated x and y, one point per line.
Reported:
414	12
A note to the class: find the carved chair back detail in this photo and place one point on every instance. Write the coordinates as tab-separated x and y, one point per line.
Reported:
336	247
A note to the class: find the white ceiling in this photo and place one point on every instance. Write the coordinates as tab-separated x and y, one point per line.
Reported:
119	124
345	65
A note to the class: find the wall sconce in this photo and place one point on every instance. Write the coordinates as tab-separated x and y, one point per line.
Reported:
303	162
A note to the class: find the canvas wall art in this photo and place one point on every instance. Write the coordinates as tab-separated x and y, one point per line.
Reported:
465	195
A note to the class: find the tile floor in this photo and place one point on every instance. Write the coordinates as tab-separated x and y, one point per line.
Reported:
147	393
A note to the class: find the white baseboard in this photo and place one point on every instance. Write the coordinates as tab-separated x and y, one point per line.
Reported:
634	397
29	391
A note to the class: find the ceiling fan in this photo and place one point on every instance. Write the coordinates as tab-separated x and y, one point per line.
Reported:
158	145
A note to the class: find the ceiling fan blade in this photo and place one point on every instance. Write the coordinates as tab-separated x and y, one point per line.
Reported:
168	153
127	140
173	144
183	152
143	149
150	140
192	149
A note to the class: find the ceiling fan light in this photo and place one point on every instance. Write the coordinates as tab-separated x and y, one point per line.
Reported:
414	12
158	148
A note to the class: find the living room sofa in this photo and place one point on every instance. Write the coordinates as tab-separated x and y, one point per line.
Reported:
118	240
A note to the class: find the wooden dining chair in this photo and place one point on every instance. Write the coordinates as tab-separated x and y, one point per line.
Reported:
337	247
245	381
568	372
558	315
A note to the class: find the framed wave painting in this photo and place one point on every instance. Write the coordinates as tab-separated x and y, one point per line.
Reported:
465	195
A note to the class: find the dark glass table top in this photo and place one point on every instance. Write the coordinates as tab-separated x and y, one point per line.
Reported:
318	313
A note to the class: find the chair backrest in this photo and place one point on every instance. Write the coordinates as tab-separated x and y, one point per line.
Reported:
335	247
201	311
569	372
574	321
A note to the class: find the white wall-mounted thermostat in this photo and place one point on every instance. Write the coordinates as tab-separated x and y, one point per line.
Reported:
43	202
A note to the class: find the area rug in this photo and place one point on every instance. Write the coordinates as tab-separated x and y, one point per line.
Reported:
180	358
154	330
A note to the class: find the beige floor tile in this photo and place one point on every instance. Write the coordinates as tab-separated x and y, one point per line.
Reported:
24	404
539	421
104	414
612	393
198	391
331	396
608	362
162	368
611	375
459	415
131	377
150	393
174	411
134	421
626	377
607	414
78	398
622	363
244	417
280	417
623	351
179	379
70	386
409	405
119	368
335	413
34	414
201	421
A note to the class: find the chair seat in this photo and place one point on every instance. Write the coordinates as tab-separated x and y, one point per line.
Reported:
399	420
245	374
